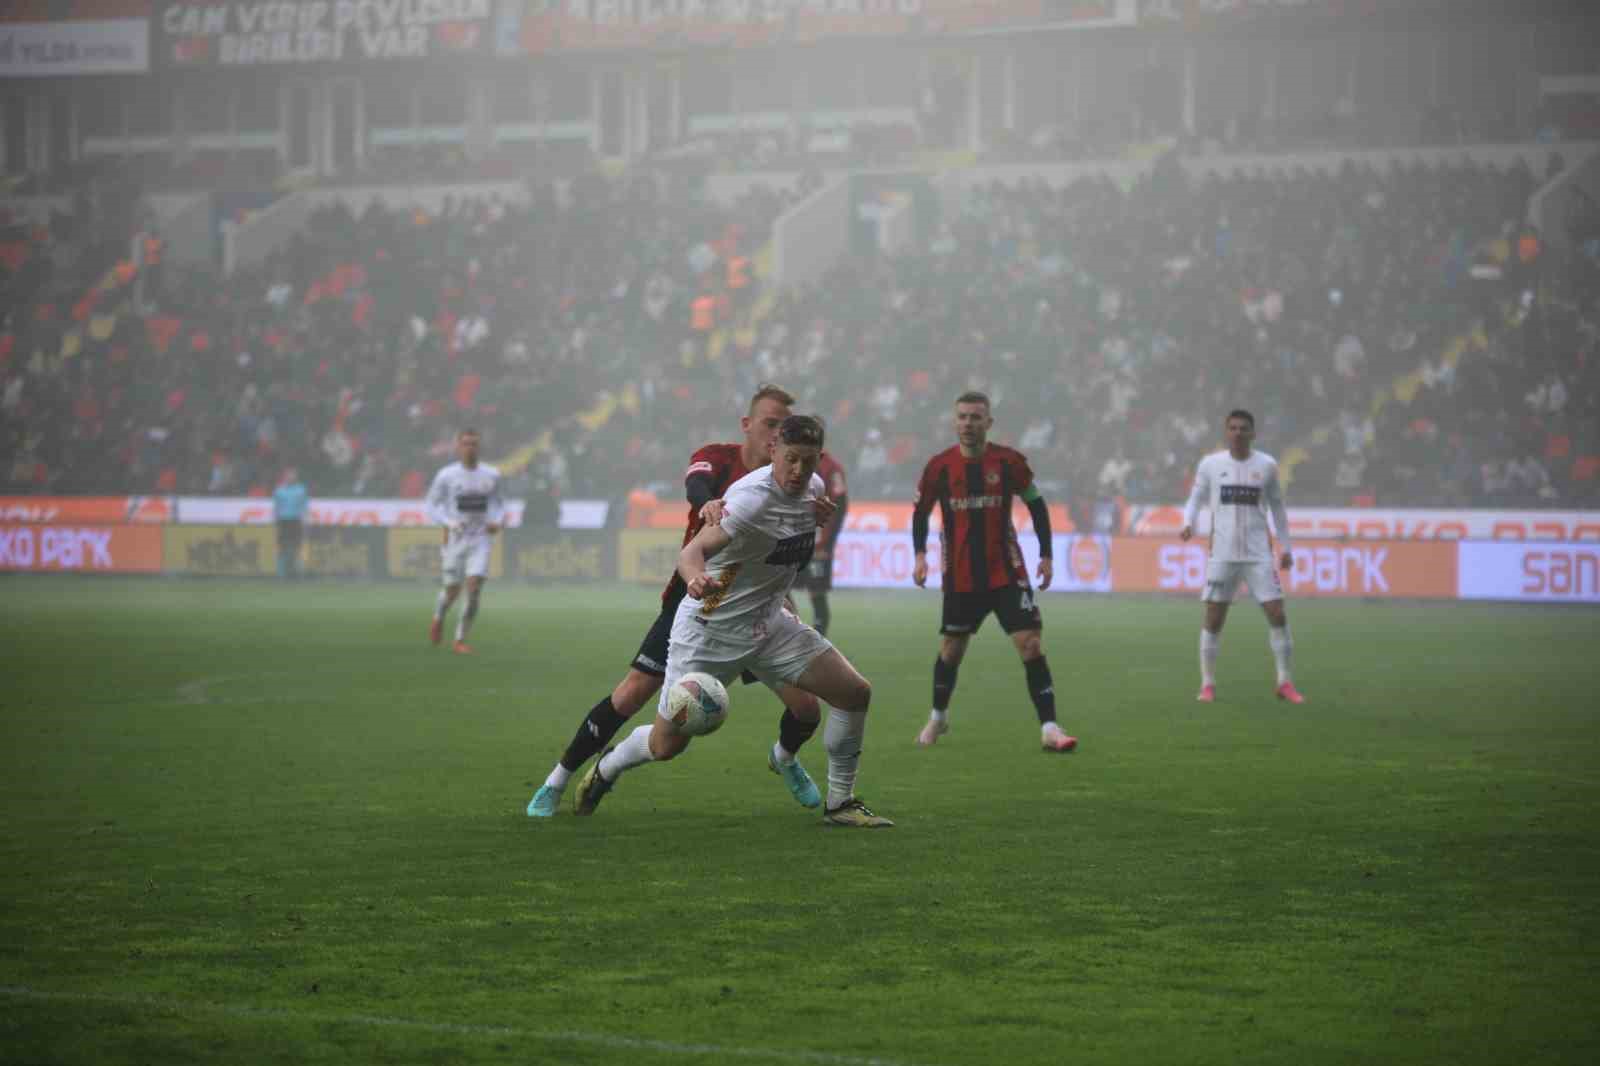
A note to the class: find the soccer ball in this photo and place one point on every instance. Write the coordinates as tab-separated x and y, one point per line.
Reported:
697	704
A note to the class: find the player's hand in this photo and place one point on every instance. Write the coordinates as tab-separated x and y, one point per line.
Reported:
712	511
1047	570
825	509
1286	561
919	571
698	586
1186	532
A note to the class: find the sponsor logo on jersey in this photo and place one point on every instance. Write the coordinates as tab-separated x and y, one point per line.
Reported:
1241	495
975	503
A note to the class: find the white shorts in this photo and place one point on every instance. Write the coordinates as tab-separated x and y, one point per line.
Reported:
777	651
1222	580
464	557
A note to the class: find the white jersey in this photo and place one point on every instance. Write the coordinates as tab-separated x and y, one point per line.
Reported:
468	499
1239	492
773	537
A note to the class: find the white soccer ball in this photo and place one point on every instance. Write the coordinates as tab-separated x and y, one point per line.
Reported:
697	704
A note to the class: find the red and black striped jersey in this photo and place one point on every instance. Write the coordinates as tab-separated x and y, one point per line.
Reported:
979	542
833	479
723	464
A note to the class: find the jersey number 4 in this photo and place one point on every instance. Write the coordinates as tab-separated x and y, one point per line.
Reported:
793	551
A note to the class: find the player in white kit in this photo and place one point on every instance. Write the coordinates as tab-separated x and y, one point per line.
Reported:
465	500
735	617
1241	486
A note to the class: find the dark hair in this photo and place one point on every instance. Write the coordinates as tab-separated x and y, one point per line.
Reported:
769	391
801	429
973	396
1240	413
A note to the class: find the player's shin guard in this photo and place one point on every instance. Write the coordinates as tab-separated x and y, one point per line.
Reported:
1282	645
944	683
1209	642
468	613
842	737
442	604
793	733
599	726
634	751
1041	689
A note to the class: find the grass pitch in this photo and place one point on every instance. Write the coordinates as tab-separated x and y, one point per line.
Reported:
255	823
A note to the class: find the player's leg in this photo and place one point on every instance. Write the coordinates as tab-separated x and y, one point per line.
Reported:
821	613
469	613
1222	578
441	607
1282	645
1019	616
831	677
690	649
604	719
802	713
961	615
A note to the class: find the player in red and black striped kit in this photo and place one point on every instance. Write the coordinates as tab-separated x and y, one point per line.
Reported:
817	577
974	483
711	470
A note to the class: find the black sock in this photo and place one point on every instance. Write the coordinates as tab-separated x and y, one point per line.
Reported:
1041	688
792	732
599	726
944	683
823	616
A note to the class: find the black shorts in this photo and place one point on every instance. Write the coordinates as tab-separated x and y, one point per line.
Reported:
651	658
816	577
1014	605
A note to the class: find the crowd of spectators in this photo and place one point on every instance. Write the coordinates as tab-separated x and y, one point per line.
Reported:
1113	326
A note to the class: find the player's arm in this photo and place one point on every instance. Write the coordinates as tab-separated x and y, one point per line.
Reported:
1280	519
839	495
497	508
692	559
1197	497
700	489
1041	529
919	527
438	504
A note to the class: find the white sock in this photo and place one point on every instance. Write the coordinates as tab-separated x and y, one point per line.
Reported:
558	777
468	613
635	751
842	737
781	755
937	715
1209	642
441	605
1049	729
1282	645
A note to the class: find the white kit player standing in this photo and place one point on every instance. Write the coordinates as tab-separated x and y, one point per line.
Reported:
465	499
1241	486
736	617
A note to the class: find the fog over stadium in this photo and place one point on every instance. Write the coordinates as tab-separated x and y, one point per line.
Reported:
425	423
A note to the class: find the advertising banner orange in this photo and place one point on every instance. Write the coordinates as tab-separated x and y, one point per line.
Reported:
1368	568
87	549
90	510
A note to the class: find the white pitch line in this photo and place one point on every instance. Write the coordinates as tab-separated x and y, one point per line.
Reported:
378	1021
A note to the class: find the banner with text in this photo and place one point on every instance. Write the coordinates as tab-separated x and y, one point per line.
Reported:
91	46
89	510
1550	573
220	551
1338	523
86	549
542	26
551	555
354	511
247	33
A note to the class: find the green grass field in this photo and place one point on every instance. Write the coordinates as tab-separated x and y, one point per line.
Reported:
251	823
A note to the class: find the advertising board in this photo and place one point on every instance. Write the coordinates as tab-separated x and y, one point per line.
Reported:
219	551
92	549
1539	573
414	553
